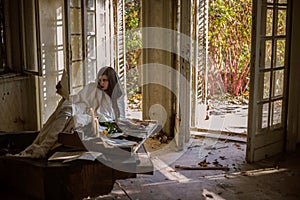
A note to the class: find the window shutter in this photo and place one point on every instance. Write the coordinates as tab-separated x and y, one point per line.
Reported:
120	42
201	49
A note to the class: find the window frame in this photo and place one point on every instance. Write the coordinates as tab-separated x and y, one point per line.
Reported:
33	34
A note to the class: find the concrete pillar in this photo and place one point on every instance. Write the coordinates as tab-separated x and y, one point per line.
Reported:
157	89
166	61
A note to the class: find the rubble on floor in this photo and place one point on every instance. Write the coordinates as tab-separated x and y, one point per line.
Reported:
275	178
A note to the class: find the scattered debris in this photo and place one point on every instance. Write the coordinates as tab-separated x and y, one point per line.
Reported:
222	147
210	148
216	163
201	168
222	157
209	195
238	146
161	137
215	148
194	146
207	113
164	139
203	163
207	117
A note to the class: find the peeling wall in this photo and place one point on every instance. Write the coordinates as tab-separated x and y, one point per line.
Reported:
17	104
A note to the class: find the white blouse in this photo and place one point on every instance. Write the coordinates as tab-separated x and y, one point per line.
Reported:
92	97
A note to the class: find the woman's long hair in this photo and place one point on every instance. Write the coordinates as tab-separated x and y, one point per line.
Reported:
114	90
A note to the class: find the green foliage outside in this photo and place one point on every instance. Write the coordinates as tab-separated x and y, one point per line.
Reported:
133	37
229	36
133	45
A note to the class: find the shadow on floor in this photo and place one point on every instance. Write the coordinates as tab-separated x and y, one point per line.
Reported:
274	178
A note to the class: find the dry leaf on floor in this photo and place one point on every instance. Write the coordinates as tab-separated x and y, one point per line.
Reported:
203	163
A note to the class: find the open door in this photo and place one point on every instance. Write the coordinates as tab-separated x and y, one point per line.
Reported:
269	79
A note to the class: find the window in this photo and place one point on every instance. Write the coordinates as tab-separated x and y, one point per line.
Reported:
96	35
30	27
76	36
19	22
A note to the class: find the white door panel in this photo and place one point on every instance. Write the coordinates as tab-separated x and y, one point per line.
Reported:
269	75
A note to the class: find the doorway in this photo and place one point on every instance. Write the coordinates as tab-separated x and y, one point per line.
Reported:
212	73
265	124
223	69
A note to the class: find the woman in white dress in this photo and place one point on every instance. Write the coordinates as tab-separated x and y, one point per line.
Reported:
104	97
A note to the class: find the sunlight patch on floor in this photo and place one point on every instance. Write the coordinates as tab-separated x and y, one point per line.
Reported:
168	172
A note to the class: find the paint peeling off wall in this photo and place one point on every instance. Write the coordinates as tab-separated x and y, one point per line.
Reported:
17	104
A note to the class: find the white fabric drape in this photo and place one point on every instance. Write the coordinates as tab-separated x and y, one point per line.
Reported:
77	110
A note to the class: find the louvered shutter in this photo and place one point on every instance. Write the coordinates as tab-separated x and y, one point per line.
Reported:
120	59
201	49
200	43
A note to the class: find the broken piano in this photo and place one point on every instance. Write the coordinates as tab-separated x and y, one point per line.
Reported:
85	165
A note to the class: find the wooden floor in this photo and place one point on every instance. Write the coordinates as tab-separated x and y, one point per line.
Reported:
276	178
